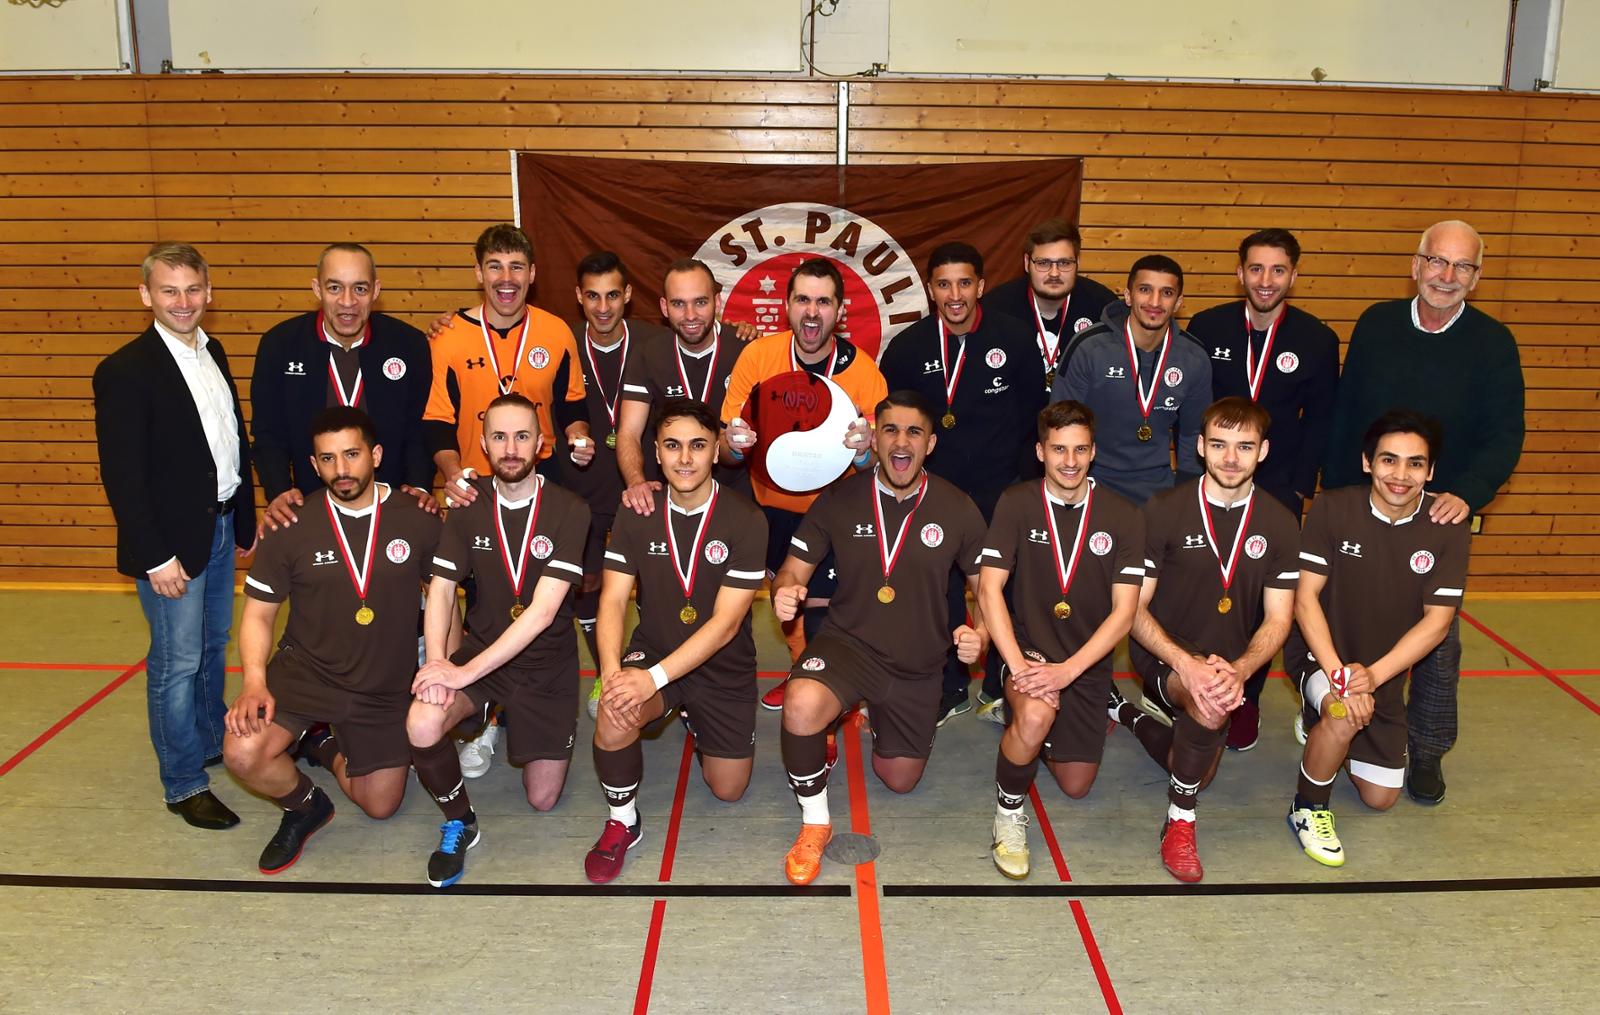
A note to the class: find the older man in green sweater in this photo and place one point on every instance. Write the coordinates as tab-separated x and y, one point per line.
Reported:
1437	355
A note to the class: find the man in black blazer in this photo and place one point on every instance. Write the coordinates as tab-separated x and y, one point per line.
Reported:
340	354
176	468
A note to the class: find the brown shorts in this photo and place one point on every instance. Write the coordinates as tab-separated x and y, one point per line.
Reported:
904	709
1377	752
1079	730
1153	675
718	707
371	728
541	705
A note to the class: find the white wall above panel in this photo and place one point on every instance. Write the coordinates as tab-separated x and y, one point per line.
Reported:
79	35
1379	41
623	35
1578	52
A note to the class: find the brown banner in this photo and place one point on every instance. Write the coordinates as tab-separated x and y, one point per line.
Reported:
753	224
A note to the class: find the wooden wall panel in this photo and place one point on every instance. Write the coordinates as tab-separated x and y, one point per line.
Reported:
262	171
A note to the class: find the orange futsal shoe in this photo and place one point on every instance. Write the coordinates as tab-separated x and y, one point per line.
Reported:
804	861
1178	851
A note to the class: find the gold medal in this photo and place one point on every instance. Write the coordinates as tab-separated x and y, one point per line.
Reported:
517	610
1336	709
1049	378
886	595
611	440
1224	604
688	614
948	420
1145	433
1062	610
364	616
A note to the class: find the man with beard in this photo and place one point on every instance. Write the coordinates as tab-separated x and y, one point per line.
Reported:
896	533
1146	380
814	302
1217	602
1050	294
1072	554
1265	349
350	570
1440	356
343	353
1380	584
696	560
980	368
521	541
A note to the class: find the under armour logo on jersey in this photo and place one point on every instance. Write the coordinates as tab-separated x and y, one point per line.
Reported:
658	548
932	366
326	557
865	529
480	361
295	369
1190	542
1038	536
674	391
1353	549
1221	353
833	574
482	543
1116	371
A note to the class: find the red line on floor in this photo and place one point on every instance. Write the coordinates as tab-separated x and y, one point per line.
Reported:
658	912
874	969
71	717
1548	674
1085	932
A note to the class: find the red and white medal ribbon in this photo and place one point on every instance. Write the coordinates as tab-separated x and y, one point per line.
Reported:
594	368
494	361
1048	351
339	389
1339	681
1146	399
1065	569
685	575
518	569
951	377
361	578
711	370
889	553
794	359
1255	370
1211	534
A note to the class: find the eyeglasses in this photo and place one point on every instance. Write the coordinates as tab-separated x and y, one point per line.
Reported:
1437	265
1062	264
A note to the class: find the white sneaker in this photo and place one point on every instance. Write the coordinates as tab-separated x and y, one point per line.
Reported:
1300	728
1010	849
595	691
477	754
1314	828
991	709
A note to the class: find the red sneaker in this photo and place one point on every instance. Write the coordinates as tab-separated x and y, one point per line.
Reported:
772	701
1245	729
1178	852
605	858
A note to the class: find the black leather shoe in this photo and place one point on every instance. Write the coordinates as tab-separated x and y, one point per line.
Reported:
1425	780
293	831
204	810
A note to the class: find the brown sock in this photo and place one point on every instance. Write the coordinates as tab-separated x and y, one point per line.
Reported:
1011	781
301	797
1153	735
1194	748
620	773
1310	792
439	771
805	759
325	748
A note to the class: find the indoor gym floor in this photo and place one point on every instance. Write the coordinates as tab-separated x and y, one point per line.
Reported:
1489	902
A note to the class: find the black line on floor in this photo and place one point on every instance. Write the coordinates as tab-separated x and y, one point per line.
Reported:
642	891
1078	890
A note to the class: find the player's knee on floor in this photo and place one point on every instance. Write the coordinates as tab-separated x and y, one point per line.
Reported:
542	800
727	788
1378	798
899	775
1075	780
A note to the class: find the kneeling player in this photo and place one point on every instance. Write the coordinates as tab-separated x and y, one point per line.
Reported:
697	559
350	570
896	532
522	541
1380	581
1074	553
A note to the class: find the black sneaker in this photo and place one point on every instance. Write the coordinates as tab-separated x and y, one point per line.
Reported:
1425	780
293	831
449	861
315	736
952	705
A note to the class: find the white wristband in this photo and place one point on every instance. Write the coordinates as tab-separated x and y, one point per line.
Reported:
658	676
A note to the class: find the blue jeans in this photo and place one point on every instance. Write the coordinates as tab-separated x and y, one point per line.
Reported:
185	668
